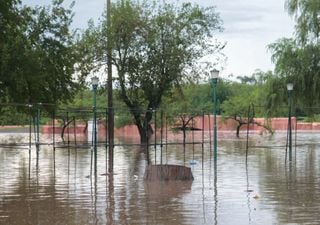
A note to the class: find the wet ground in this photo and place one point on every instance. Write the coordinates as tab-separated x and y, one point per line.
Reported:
62	187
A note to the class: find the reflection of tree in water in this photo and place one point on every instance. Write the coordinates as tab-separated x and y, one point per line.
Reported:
39	204
292	189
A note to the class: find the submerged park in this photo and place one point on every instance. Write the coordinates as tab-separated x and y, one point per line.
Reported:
129	120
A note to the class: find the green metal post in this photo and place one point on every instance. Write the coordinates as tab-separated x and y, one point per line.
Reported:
38	127
95	81
214	83
289	125
95	123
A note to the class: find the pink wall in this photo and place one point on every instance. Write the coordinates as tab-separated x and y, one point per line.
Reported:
277	124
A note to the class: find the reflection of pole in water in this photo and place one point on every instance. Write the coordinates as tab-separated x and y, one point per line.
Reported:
29	164
91	162
203	198
68	166
75	164
37	170
110	200
248	192
215	192
94	196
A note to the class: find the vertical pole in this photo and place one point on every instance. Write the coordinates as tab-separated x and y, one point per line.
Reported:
38	128
202	129
248	127
202	145
147	127
30	134
214	81
106	138
68	132
155	137
53	130
290	127
166	139
210	138
75	132
95	126
161	136
30	129
109	88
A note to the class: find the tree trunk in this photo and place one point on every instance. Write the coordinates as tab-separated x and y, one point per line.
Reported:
238	130
144	127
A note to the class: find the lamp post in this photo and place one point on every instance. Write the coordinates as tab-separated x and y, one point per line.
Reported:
95	81
214	80
290	88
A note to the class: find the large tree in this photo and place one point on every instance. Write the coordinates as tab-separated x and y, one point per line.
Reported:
36	53
297	59
155	47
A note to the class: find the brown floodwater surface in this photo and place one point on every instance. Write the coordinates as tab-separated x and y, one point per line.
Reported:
62	187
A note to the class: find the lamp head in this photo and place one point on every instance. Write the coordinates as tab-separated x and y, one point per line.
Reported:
95	81
214	74
290	86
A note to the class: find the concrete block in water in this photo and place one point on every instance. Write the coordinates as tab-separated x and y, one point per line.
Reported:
167	172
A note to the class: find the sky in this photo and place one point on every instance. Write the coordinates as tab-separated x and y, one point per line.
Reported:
249	26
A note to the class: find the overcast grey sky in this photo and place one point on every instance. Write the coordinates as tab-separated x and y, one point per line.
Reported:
249	26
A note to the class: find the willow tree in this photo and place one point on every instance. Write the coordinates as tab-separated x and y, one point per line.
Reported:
297	59
155	47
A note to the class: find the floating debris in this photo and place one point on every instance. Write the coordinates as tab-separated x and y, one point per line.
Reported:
256	196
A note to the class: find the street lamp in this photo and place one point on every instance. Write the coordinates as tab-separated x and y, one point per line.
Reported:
290	88
95	82
214	80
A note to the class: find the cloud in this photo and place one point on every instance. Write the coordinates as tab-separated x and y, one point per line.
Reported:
250	25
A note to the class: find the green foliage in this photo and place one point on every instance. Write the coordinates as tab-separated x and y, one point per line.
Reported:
313	118
306	15
155	46
36	53
195	99
243	96
297	59
299	65
10	116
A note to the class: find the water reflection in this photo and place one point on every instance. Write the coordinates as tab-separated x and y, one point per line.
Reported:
62	187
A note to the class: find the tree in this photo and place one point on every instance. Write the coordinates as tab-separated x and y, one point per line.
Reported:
246	102
155	47
297	59
36	53
306	15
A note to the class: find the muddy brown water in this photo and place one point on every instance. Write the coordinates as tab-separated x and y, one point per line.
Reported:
62	188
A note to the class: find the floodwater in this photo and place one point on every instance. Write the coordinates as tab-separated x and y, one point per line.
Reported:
62	188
